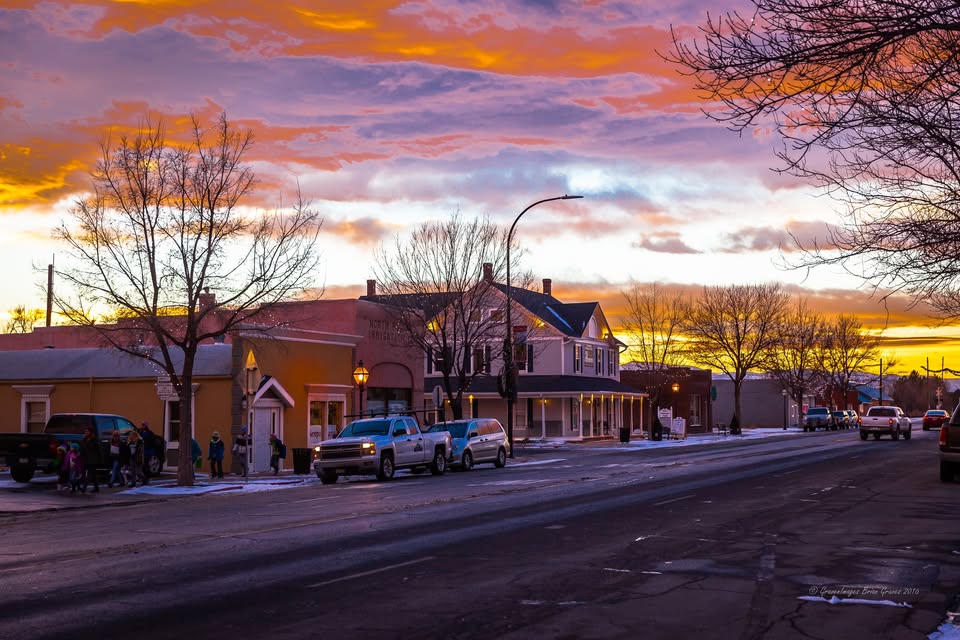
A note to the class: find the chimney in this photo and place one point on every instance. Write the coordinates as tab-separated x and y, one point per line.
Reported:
371	288
207	299
488	272
547	287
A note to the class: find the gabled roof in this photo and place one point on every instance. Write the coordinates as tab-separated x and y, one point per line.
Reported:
72	364
867	394
430	303
571	319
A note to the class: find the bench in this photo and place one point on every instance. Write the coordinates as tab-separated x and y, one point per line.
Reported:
721	429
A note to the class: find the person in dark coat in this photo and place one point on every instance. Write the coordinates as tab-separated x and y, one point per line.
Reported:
215	455
240	445
135	462
149	442
116	445
92	458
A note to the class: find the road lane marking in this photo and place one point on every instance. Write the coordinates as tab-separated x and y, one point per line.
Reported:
310	500
364	574
657	504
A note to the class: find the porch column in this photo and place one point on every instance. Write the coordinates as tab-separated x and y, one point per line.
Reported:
543	418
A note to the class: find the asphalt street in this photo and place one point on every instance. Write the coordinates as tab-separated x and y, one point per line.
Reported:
812	535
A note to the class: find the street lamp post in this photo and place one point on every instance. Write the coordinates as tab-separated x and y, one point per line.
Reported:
675	388
509	375
360	376
784	392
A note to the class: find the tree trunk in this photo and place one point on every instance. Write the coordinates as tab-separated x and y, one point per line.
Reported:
185	458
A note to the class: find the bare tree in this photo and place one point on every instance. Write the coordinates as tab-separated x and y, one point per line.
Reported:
732	329
795	359
162	230
866	99
23	320
655	317
848	351
449	311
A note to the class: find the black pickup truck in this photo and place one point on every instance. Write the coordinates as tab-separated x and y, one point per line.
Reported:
28	453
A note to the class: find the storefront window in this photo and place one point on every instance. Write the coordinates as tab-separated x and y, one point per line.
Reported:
388	401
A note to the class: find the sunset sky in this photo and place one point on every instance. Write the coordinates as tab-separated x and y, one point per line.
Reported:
389	113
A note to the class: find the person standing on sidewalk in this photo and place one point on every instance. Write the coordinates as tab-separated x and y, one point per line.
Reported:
135	463
278	450
215	455
240	446
92	458
148	441
74	467
116	444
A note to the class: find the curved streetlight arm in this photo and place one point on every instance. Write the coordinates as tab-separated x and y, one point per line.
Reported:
508	377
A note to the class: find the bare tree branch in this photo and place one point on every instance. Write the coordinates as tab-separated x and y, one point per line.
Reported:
865	97
163	249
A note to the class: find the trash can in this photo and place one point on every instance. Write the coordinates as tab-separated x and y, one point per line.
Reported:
624	434
657	433
301	461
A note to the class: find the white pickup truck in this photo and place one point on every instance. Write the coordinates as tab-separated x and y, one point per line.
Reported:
891	421
381	446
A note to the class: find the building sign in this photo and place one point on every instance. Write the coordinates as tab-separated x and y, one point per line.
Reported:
165	389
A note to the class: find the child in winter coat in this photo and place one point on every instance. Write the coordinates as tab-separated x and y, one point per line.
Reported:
74	467
215	455
63	473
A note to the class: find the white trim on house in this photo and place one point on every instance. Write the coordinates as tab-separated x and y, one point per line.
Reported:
33	393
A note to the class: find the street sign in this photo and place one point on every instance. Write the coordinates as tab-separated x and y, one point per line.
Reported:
437	396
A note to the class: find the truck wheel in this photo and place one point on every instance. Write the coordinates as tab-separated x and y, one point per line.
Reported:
439	464
946	471
327	476
863	435
896	434
467	462
501	460
22	472
386	468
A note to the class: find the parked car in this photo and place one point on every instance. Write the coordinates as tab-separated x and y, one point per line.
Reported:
950	448
840	420
885	420
853	418
475	441
817	417
935	418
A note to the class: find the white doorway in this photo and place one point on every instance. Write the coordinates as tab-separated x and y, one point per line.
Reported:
267	419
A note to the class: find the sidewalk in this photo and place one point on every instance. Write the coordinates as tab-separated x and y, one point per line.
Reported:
40	493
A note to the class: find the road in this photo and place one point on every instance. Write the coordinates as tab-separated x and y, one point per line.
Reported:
739	540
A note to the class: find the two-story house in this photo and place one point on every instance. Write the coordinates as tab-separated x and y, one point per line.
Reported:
568	362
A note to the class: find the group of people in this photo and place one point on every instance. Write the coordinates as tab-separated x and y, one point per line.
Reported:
79	462
241	446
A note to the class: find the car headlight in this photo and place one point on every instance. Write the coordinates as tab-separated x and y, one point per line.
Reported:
368	449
